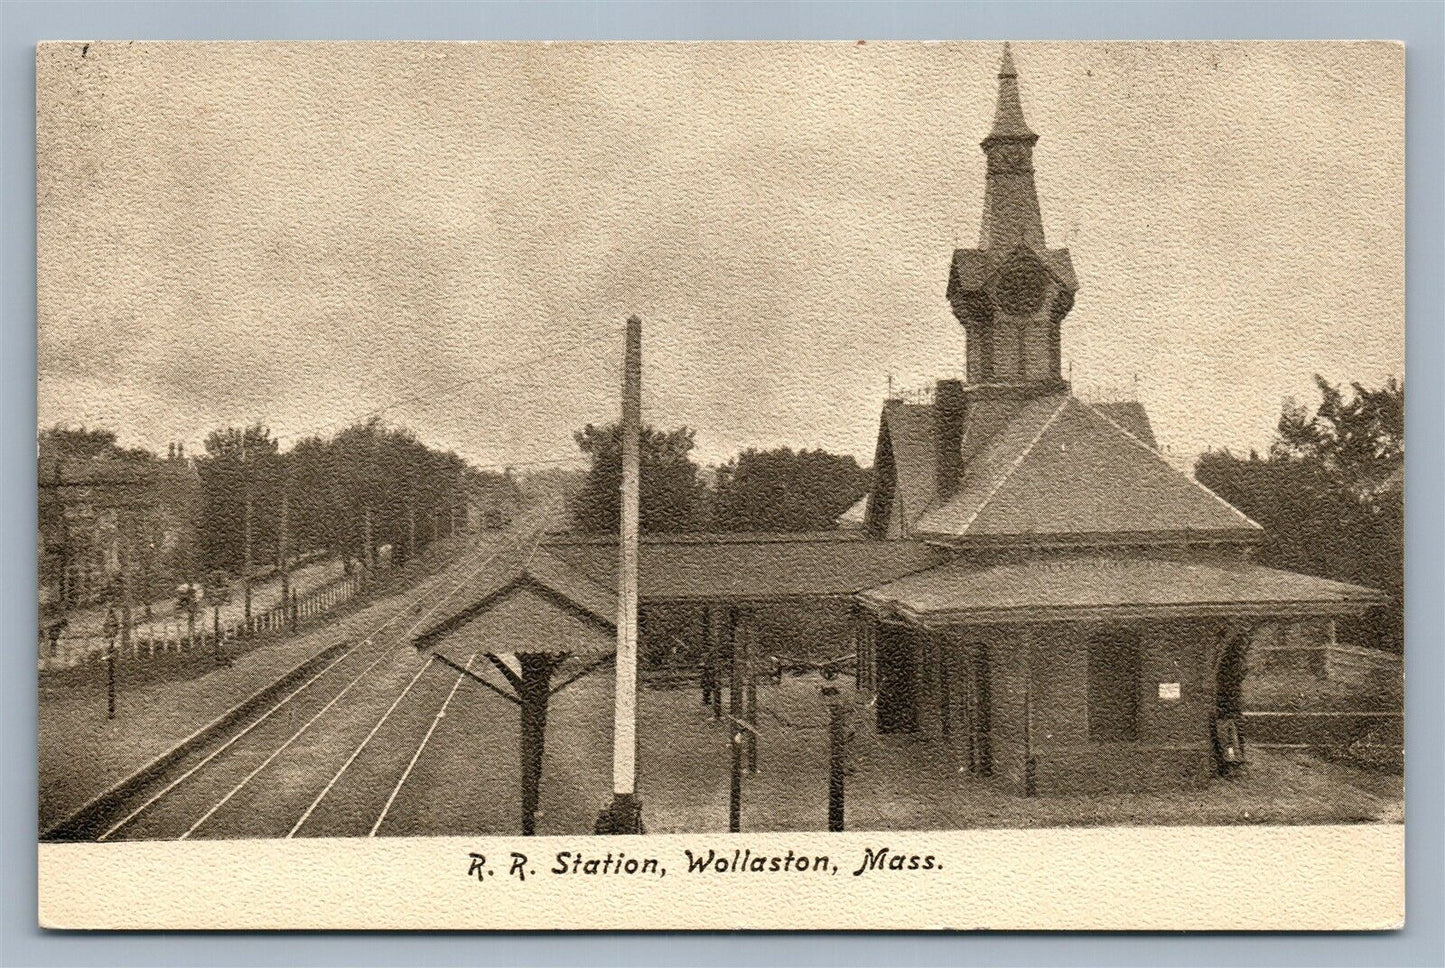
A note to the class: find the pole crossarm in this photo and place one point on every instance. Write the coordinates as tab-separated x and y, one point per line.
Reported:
470	674
582	672
741	724
506	672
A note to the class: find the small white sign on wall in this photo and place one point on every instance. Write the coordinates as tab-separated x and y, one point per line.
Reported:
1168	690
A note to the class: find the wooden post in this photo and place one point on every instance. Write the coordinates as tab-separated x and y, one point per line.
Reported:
459	515
368	552
626	810
945	689
246	535
533	692
111	630
717	674
110	681
856	626
970	714
125	590
220	652
750	679
1030	764
837	757
707	677
283	549
735	714
411	526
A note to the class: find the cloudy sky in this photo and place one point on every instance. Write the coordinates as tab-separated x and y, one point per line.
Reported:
300	234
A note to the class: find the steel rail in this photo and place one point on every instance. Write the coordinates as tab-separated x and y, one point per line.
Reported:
441	714
535	538
428	588
388	650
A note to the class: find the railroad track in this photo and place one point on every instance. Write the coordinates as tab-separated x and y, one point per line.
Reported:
334	750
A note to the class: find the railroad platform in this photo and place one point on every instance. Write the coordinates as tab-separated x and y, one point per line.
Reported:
82	754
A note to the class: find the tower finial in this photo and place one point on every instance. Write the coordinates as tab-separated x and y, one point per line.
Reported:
1008	116
1006	67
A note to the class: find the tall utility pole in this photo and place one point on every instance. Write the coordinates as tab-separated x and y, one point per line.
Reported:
837	756
124	546
246	540
411	525
626	810
735	719
282	538
368	549
459	514
368	553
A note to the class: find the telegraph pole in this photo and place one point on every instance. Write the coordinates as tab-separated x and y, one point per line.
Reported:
368	553
750	672
246	540
735	718
411	525
125	589
460	511
282	539
625	814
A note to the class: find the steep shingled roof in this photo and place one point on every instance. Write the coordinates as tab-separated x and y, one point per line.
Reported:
911	433
1131	416
1061	468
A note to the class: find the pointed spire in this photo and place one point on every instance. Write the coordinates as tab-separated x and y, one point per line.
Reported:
1011	204
1008	118
1006	69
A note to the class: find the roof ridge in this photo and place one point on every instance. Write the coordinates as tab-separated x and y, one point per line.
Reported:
1014	465
563	565
1153	452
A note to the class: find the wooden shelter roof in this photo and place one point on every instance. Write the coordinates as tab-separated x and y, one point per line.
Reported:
752	568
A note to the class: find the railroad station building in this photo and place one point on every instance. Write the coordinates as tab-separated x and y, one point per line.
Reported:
1029	576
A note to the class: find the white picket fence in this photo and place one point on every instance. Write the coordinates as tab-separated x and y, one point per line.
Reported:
173	634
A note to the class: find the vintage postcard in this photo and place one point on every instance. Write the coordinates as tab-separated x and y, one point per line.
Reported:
951	485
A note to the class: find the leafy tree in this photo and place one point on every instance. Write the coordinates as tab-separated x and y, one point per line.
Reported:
786	490
671	496
82	443
1359	440
1328	497
412	493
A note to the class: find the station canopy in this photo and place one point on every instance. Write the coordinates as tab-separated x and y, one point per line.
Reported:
1096	587
564	599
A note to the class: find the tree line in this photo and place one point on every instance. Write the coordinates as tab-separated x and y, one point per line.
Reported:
345	495
1330	495
777	490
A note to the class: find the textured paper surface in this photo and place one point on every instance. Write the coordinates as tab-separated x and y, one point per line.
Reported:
1211	879
300	233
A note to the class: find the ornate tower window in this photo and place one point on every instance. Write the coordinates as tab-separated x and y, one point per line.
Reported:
1012	292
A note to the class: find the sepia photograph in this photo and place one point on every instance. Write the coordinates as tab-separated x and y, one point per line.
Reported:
817	464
